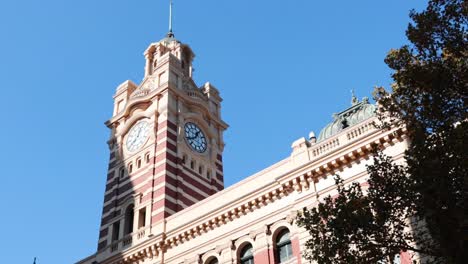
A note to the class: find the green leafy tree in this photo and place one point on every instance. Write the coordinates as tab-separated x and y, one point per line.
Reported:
419	207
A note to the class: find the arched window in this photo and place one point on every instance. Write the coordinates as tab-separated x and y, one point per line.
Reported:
212	261
246	255
122	172
283	247
129	213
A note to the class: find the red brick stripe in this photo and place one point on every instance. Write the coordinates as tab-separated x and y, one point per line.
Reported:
166	145
103	232
112	164
220	177
189	191
110	175
169	125
166	155
102	245
194	183
164	203
172	126
158	217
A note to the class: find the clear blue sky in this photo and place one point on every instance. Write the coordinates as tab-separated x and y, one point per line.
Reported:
283	68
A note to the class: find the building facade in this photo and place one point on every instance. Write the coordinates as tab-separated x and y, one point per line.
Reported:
165	200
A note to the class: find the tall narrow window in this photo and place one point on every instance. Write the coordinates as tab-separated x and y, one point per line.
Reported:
122	172
115	231
138	163
246	256
129	220
130	168
283	247
142	218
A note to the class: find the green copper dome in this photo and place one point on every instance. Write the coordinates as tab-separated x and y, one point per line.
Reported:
357	113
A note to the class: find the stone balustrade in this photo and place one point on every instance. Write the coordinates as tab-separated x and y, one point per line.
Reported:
361	130
194	94
346	136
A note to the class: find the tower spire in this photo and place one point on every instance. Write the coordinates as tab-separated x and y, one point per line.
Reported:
170	33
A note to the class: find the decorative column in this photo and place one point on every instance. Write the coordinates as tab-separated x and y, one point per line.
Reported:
296	235
149	61
226	252
261	245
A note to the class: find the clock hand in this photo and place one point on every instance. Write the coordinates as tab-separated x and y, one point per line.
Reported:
195	136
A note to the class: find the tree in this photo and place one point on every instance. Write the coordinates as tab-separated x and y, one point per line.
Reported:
419	207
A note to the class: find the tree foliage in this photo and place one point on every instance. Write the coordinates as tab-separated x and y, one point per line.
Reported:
419	207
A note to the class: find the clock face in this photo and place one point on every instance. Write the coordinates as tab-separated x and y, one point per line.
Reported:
137	136
195	137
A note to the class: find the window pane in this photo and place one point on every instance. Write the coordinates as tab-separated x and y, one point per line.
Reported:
248	260
283	237
284	252
246	256
246	251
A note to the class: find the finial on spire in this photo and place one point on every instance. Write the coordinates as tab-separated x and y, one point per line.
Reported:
354	99
170	33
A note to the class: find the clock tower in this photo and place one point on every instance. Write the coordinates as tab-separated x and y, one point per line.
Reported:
166	147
